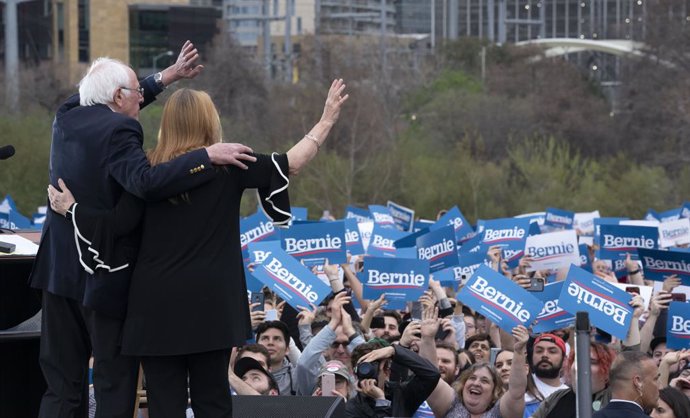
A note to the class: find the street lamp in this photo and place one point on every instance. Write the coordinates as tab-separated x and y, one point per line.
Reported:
167	53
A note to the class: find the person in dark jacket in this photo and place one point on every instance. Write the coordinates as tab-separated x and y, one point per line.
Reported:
634	390
377	396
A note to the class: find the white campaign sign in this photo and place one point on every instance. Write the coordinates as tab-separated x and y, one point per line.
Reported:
584	221
552	250
674	233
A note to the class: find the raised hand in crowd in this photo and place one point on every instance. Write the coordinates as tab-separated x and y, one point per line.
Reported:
279	309
522	280
524	264
336	311
633	337
411	336
306	316
671	282
669	360
634	271
658	303
257	316
372	309
331	271
494	254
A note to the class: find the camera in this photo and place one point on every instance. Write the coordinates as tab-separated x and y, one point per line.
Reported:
367	370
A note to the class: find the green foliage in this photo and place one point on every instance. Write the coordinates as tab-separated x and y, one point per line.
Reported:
528	136
25	176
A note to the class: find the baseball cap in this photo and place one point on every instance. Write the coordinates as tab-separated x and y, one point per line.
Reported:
552	339
336	367
246	364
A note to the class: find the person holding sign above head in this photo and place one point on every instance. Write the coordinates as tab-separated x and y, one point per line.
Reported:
187	300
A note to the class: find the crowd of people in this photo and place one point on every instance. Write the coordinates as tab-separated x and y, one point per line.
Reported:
122	283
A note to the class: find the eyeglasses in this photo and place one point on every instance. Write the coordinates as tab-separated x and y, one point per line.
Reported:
336	344
139	89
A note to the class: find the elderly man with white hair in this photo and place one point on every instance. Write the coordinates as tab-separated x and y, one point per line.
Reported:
97	149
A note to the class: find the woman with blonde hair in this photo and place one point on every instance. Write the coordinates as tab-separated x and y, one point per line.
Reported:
188	297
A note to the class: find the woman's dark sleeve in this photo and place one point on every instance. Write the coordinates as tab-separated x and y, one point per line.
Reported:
425	379
269	174
99	233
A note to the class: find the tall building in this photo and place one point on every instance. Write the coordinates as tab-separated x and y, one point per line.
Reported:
413	16
245	18
519	20
34	23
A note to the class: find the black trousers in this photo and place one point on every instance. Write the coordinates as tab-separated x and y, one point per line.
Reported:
209	388
70	334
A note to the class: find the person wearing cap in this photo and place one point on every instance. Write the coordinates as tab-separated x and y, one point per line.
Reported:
335	341
562	403
256	379
548	354
344	382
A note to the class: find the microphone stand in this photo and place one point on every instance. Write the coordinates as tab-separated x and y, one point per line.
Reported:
582	361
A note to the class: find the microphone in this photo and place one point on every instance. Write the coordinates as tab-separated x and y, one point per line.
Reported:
6	152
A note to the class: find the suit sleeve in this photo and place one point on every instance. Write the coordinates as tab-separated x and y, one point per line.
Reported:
128	165
425	379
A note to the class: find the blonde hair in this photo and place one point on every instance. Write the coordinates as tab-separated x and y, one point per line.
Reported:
190	121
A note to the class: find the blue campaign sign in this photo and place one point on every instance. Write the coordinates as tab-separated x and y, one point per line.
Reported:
685	210
678	326
257	255
289	279
420	224
10	218
400	279
552	316
411	239
361	215
556	219
403	217
680	249
255	228
298	213
651	215
382	216
607	305
670	215
658	264
253	284
585	258
313	243
407	252
353	237
472	245
455	219
438	247
615	241
382	241
468	263
598	222
500	299
510	234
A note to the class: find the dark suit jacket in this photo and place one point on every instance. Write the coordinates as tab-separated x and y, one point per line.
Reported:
620	410
98	153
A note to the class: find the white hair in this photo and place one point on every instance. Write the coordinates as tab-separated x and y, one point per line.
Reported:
101	80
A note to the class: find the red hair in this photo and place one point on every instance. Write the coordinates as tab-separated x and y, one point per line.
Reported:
605	356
